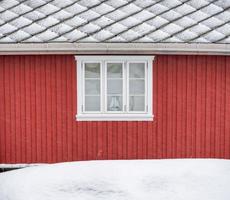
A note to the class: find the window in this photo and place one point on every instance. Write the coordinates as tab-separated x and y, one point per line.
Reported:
114	88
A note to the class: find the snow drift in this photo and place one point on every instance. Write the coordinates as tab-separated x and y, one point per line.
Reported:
184	179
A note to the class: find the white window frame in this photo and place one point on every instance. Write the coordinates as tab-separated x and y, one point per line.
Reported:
105	115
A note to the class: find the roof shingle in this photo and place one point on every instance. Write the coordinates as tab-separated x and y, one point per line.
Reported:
110	21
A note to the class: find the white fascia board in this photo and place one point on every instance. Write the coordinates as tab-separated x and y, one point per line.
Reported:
115	48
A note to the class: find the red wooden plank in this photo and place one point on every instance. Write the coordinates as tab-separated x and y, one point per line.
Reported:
130	140
74	108
8	107
135	139
39	97
150	140
84	141
203	105
63	82
170	86
124	140
94	139
43	109
164	107
210	103
114	139
145	140
69	104
189	110
227	111
31	108
23	109
105	139
159	111
89	141
213	127
199	107
154	104
12	110
119	140
48	90
18	111
28	109
59	108
53	108
184	105
7	110
180	119
218	108
222	89
100	147
2	111
110	139
80	140
194	104
174	64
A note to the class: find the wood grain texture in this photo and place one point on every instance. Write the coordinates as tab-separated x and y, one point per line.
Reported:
191	103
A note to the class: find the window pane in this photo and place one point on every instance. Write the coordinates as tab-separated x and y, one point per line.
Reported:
136	103
114	103
114	86
114	70
92	87
92	103
136	87
92	70
137	70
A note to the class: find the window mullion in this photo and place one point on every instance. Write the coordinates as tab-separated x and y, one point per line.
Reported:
124	87
127	87
103	87
83	87
146	87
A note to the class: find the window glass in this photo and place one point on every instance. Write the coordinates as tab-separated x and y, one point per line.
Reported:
137	70
92	103
92	70
136	103
114	103
114	70
137	87
92	86
114	86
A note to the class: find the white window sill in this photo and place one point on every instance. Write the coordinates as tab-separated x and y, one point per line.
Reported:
114	117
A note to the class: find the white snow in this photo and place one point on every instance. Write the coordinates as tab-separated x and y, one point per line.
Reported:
125	13
178	179
21	165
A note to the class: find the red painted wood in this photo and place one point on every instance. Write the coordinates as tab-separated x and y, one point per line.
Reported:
191	103
227	107
2	111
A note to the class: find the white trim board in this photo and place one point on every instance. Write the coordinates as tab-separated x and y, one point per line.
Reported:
103	114
115	48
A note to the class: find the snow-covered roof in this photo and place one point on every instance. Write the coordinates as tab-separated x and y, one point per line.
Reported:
115	21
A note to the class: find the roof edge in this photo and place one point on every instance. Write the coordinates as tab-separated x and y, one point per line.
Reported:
114	48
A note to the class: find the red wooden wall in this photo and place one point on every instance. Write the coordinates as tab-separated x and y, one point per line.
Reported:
38	107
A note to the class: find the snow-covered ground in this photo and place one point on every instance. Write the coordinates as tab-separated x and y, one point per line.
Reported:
179	179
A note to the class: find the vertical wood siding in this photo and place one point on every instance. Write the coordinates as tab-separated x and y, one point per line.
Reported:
191	101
